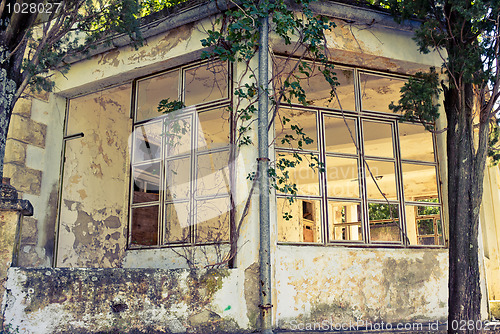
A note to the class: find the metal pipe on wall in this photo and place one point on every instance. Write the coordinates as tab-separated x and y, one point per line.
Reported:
263	165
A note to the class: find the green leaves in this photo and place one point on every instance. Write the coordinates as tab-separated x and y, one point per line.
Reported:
418	98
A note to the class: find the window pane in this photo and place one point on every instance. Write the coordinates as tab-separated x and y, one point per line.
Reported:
378	139
302	175
316	88
384	222
177	222
213	129
178	178
423	225
206	83
378	92
212	174
145	226
212	220
146	183
152	90
147	142
415	142
338	135
178	135
342	177
419	182
299	124
299	221
385	178
344	220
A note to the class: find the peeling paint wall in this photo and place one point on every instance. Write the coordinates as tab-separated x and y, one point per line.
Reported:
123	300
94	201
342	285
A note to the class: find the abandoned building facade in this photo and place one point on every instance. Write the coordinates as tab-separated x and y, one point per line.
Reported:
132	206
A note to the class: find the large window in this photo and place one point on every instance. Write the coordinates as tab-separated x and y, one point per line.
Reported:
180	187
380	180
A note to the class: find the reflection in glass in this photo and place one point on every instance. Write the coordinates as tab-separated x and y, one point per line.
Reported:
212	220
145	226
384	222
419	182
378	92
178	177
302	175
147	142
299	221
177	222
178	135
296	121
146	183
378	139
338	138
206	83
151	91
423	224
213	174
342	177
316	88
213	129
415	142
344	220
385	179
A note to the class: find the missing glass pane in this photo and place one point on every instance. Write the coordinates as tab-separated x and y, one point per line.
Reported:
145	226
415	142
378	139
213	129
380	180
340	135
384	222
423	224
299	220
146	183
344	220
147	145
419	182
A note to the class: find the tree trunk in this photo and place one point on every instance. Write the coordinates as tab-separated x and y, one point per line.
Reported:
8	88
465	179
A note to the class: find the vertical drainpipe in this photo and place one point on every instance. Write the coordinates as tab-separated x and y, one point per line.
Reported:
263	165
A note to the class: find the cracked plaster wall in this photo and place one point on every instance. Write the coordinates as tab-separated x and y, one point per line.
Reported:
124	300
341	285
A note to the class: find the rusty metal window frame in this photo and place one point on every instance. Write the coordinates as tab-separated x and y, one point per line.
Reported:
194	154
359	115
